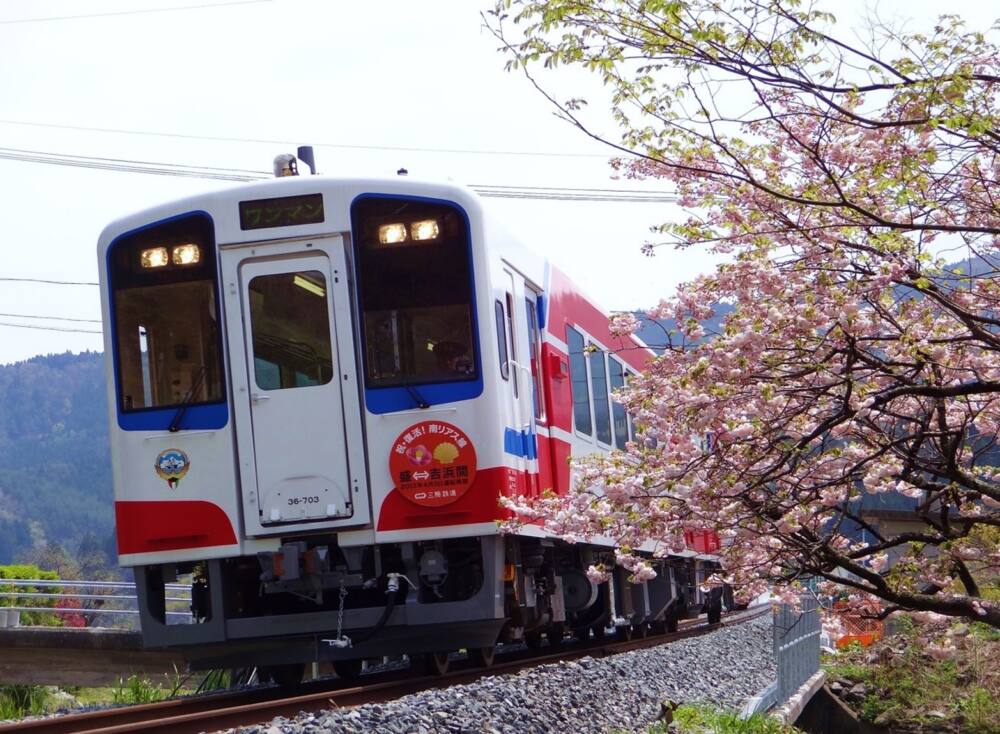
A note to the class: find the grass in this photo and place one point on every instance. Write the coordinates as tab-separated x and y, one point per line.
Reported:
705	719
18	701
911	691
136	689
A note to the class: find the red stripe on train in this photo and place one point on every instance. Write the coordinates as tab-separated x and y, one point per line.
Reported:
164	525
479	504
568	306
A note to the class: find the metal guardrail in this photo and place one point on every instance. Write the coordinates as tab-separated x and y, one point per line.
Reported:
102	597
796	644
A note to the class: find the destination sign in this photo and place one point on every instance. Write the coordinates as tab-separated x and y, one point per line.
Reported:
285	211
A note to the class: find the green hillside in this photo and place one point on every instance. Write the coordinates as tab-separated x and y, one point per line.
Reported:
55	468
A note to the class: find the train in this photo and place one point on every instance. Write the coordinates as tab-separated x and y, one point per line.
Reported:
319	390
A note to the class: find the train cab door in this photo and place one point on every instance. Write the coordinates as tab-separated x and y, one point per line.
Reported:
301	403
525	391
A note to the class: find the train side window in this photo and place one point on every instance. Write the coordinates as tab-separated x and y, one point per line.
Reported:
535	352
579	385
290	325
629	375
502	340
510	330
620	419
599	386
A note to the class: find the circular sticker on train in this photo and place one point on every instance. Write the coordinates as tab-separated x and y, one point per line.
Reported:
172	465
432	463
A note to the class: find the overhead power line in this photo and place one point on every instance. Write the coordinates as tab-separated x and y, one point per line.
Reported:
237	174
343	146
48	318
47	19
129	166
47	282
565	193
50	328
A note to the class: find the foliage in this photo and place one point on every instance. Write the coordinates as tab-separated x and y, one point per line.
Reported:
980	711
703	719
18	701
55	468
935	677
855	370
136	689
29	571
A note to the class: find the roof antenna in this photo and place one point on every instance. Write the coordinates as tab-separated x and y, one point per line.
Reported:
305	154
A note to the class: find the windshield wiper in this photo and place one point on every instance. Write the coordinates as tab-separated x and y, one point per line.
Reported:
417	397
175	423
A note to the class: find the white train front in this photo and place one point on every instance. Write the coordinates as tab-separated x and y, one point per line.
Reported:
319	388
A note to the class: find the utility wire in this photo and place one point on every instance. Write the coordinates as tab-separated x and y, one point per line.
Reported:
47	19
110	164
47	318
49	328
345	146
46	282
237	174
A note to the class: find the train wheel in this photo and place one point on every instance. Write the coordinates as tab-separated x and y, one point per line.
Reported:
671	623
286	676
348	669
556	634
482	657
533	640
640	630
434	663
624	632
715	613
598	631
657	627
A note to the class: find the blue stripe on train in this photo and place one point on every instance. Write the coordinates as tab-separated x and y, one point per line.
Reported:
520	443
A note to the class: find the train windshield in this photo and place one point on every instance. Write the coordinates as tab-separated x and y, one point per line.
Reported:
415	289
167	338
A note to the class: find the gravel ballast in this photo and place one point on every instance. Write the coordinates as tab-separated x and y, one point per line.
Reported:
618	693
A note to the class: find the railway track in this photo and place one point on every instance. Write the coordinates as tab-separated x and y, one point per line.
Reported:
194	714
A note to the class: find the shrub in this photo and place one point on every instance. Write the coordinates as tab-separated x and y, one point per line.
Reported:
29	571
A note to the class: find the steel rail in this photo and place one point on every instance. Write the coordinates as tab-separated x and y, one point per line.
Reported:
195	714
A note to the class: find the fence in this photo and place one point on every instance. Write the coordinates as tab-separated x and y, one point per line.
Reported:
861	623
796	652
113	602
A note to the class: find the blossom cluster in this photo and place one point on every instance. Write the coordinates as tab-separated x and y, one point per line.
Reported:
853	367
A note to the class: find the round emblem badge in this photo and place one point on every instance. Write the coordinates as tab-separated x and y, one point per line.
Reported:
171	465
432	463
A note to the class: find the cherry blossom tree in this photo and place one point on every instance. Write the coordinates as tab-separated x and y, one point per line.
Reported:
837	177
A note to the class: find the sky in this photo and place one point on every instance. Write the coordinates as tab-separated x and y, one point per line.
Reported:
374	86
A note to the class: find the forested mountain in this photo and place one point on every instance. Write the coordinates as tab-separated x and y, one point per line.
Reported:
55	468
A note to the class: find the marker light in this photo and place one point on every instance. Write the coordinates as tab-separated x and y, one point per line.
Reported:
154	257
187	254
390	234
309	285
426	229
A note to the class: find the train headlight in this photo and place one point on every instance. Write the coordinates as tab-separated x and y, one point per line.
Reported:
187	254
154	257
426	229
390	234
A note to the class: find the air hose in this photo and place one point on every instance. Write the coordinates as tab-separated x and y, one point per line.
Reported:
391	591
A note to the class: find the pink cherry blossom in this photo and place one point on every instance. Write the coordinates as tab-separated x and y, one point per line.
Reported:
845	357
